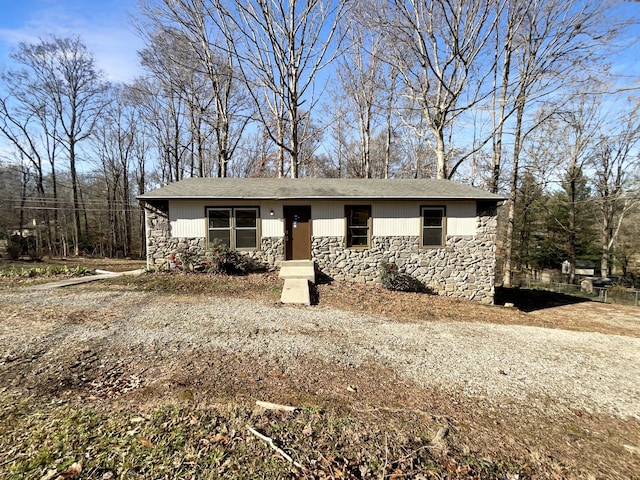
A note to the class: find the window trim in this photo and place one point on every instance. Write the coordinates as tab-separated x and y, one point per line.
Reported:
233	227
443	239
346	225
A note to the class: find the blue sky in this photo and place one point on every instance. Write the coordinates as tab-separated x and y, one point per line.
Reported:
103	26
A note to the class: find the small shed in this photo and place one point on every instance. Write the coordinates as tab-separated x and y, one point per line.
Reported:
585	267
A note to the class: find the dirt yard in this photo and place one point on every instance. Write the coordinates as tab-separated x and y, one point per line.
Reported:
547	390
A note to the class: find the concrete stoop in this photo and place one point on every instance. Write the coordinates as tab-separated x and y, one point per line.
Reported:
297	275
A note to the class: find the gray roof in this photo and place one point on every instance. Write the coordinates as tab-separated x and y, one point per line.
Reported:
317	188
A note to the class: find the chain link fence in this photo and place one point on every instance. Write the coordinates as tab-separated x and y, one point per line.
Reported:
609	294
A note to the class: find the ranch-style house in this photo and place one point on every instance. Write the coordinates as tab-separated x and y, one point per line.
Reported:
440	232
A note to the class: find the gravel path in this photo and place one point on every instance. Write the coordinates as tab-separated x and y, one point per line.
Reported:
529	365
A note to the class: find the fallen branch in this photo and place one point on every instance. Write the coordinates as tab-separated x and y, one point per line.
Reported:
439	441
632	449
272	444
440	436
276	406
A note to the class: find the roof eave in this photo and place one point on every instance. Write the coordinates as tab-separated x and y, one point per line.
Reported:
349	197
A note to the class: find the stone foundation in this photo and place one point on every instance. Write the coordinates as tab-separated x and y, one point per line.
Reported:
464	268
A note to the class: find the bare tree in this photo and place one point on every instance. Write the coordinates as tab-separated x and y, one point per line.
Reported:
280	48
184	97
360	72
554	40
501	91
615	162
61	76
219	101
163	111
441	61
117	135
20	124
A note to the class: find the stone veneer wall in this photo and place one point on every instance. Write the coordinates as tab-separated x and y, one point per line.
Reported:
465	267
160	244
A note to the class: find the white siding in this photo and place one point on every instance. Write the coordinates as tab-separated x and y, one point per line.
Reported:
327	219
187	219
403	218
396	219
461	219
271	225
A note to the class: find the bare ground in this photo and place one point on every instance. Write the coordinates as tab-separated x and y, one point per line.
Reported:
81	347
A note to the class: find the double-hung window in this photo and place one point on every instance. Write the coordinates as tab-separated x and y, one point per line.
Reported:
358	225
433	226
237	228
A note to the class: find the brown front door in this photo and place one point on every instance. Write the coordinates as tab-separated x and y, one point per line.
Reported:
298	232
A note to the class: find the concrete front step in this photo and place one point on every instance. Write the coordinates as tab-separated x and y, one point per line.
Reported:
300	269
297	274
296	290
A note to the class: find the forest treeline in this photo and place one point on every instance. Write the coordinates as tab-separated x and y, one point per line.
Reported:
518	97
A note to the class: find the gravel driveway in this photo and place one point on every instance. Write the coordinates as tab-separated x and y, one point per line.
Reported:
552	369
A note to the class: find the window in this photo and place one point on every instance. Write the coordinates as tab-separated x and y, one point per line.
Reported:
236	228
433	222
220	226
358	228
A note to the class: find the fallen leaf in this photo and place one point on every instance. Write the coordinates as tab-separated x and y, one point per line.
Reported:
74	471
146	443
397	473
219	438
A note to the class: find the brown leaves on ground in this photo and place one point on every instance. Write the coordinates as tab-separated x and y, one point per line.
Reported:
546	309
360	422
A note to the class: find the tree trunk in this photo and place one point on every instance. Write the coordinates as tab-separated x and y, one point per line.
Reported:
511	202
441	158
494	182
76	199
607	234
573	234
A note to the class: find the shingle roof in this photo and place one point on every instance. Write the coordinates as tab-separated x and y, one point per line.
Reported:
317	188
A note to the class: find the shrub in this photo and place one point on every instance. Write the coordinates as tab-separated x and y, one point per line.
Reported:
392	279
13	250
221	259
218	259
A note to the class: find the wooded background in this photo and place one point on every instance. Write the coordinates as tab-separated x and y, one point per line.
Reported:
518	97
